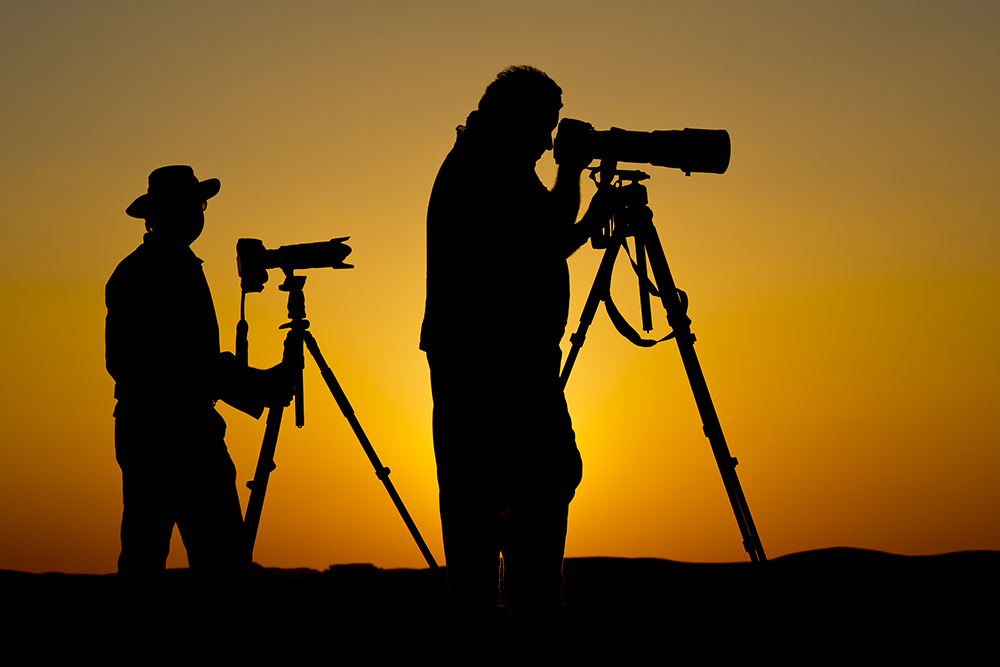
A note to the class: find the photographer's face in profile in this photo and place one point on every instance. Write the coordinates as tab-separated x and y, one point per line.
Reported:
538	133
178	221
524	136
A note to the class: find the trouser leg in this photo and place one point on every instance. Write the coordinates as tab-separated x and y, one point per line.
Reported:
147	519
147	525
472	552
533	547
210	519
548	471
473	485
471	498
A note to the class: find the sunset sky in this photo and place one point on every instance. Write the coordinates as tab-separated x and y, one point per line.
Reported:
843	274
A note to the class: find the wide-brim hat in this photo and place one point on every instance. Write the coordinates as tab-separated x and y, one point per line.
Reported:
172	185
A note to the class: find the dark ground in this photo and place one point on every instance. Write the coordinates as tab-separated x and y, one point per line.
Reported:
834	603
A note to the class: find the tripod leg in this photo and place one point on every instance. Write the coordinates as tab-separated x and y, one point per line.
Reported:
380	471
676	309
599	290
258	486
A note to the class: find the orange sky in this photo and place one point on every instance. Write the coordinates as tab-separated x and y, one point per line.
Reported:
843	276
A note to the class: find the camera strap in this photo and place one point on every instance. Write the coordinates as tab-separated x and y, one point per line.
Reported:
644	281
621	324
625	329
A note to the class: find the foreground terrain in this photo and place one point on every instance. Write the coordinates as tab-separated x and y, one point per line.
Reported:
808	606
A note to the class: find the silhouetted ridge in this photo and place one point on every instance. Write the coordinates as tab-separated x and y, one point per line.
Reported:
817	603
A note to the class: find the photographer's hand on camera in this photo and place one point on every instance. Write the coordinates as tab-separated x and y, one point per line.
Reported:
569	148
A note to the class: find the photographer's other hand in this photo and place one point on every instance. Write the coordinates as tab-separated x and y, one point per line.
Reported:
603	205
276	386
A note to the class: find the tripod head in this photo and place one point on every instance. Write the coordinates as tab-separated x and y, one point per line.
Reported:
632	202
633	219
294	286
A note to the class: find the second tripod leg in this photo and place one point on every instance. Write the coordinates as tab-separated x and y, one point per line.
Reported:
380	471
258	487
598	292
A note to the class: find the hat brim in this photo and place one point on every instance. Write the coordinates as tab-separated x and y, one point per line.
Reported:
147	203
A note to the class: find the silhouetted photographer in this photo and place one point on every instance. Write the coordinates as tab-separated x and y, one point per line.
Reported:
497	305
162	349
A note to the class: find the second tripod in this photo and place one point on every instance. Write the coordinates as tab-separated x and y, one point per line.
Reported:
293	357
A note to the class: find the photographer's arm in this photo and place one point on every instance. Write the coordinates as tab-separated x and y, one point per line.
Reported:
566	193
566	206
598	213
250	390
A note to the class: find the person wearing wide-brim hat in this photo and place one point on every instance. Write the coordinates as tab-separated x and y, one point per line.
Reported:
174	193
162	349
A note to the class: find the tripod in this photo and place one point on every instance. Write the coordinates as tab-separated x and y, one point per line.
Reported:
636	220
293	357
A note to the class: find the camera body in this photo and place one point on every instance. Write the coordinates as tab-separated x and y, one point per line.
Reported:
690	150
253	259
